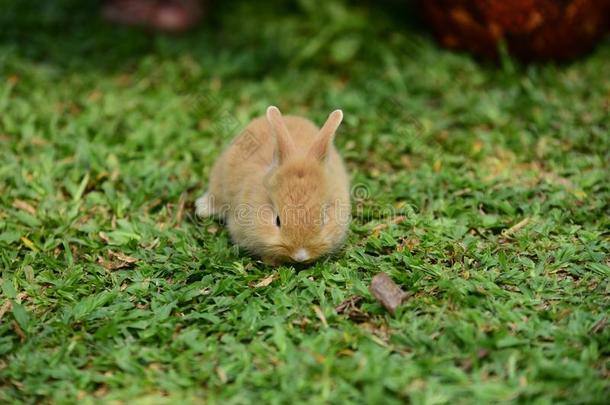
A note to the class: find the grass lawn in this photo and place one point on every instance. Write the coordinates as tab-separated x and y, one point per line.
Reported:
482	190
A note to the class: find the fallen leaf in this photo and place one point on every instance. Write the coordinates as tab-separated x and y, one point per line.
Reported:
123	257
104	237
397	220
264	282
108	265
320	315
387	292
122	261
348	303
377	229
24	206
7	306
350	308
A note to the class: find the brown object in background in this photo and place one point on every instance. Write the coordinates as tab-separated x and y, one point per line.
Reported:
532	29
387	292
162	15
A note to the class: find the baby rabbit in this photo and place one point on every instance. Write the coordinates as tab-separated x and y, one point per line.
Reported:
282	189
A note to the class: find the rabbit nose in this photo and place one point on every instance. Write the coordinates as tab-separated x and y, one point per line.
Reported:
300	255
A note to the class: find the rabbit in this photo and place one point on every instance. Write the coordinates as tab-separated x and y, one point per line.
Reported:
282	189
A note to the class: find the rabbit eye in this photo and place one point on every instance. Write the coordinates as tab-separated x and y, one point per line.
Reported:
277	221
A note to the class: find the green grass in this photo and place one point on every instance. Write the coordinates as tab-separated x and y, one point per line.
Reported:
107	136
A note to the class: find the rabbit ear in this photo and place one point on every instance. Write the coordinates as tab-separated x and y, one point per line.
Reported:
284	145
325	137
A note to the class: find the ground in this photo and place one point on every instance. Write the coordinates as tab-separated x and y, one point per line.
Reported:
481	189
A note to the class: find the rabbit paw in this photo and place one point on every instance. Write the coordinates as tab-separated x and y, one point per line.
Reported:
204	206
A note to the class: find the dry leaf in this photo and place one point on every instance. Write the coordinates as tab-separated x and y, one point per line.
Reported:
122	261
264	282
24	206
105	263
397	220
379	227
350	308
104	237
123	257
351	302
7	306
387	292
320	315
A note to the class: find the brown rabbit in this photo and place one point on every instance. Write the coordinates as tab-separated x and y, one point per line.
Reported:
282	188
